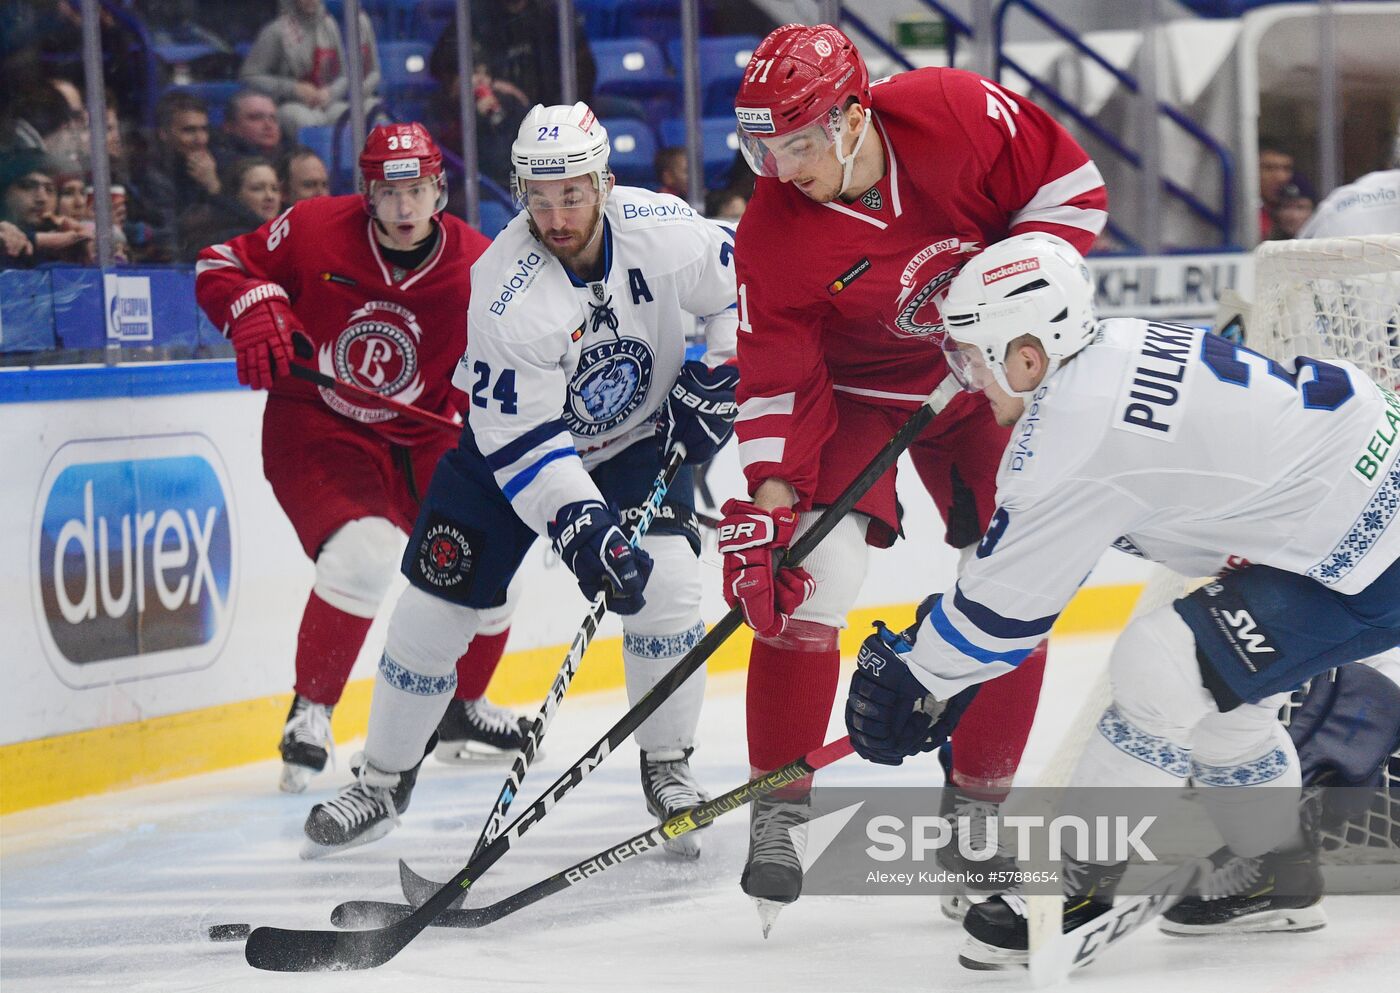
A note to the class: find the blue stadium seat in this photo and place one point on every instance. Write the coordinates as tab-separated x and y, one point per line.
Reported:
404	65
722	64
718	142
633	68
599	17
633	158
659	20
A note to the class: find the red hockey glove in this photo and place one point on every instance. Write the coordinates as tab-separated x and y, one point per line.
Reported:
749	539
261	324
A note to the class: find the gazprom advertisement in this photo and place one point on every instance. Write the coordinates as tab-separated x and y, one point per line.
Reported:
134	557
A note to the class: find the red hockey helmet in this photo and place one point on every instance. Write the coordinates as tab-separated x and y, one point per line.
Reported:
395	152
799	77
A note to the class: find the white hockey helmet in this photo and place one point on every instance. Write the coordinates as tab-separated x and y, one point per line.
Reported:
1032	283
559	142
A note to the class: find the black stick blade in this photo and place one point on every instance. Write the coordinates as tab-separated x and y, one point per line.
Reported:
278	950
418	890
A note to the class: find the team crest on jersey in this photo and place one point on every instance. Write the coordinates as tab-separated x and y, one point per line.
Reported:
924	286
612	380
444	555
377	351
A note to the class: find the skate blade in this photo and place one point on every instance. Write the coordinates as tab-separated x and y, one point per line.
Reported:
474	753
955	905
295	778
311	850
1298	920
768	911
982	957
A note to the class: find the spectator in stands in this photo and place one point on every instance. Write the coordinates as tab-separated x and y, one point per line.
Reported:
72	197
183	173
1275	172
725	205
299	61
252	197
250	128
302	175
28	185
1292	207
40	117
520	39
672	171
16	250
500	107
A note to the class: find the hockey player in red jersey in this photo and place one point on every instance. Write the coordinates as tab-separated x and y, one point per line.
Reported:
869	199
378	284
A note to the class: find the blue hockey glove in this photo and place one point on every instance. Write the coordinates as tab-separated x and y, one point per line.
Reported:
700	411
589	541
890	715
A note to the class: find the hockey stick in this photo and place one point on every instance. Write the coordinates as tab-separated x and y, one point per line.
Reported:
373	913
416	887
283	950
301	346
1055	959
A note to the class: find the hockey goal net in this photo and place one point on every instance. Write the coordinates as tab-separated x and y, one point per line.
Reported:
1336	298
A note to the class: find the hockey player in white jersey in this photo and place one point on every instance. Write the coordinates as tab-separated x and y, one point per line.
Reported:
1186	449
1370	205
576	370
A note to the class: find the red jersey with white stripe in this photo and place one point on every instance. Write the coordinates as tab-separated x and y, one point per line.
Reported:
398	333
845	297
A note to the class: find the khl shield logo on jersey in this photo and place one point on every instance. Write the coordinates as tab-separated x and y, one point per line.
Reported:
612	380
133	557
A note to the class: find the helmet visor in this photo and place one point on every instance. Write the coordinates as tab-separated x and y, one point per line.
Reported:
788	154
406	201
543	199
968	365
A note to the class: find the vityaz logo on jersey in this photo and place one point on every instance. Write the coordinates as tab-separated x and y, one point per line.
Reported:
611	382
924	287
378	351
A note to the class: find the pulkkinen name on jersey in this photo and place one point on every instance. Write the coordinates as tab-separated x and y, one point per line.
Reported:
1148	404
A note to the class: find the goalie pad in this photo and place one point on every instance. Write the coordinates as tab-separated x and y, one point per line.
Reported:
1347	727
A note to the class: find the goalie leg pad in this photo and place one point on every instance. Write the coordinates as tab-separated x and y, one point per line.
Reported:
356	565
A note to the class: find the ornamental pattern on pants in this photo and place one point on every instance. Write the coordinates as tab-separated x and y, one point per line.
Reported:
1262	770
1375	517
415	682
663	646
1128	737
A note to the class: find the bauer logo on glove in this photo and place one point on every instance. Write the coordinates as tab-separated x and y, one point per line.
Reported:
890	714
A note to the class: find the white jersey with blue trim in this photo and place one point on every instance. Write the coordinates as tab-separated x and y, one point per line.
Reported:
563	373
1183	448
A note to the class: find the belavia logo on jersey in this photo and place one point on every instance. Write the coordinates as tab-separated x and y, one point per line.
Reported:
134	556
1010	269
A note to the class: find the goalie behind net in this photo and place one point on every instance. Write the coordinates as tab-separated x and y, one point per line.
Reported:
1335	298
1330	298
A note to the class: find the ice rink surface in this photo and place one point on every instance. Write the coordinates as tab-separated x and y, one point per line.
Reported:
117	892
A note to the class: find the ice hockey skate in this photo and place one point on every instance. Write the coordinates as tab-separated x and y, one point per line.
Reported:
997	933
306	743
773	871
473	731
968	817
1278	891
670	789
364	811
